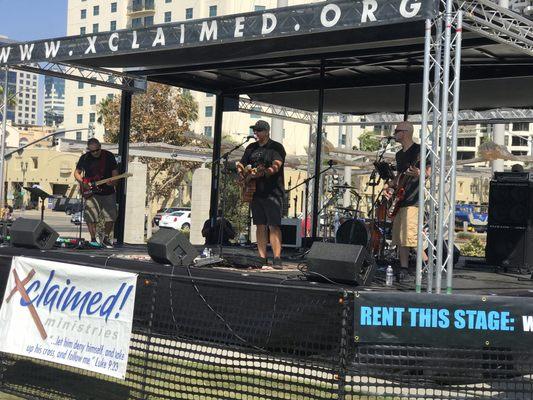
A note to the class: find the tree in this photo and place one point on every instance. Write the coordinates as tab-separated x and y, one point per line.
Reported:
161	114
368	141
11	100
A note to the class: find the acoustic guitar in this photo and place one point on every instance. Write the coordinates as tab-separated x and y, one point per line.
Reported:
91	186
248	185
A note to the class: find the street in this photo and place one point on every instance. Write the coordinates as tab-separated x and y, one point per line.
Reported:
56	219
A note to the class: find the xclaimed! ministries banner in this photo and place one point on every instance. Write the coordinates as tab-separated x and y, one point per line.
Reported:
68	314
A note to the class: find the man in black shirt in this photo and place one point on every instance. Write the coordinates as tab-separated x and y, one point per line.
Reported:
405	225
94	165
268	157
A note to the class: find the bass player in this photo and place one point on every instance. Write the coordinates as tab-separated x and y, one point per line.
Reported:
267	158
405	224
94	165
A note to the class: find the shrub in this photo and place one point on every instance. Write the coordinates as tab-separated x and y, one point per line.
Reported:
473	248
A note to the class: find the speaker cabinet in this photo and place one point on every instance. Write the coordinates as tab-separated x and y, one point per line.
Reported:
343	263
33	234
169	246
510	224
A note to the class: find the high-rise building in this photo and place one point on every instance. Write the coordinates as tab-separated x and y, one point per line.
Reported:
23	89
54	100
85	17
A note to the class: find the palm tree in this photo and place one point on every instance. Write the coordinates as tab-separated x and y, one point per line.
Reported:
11	101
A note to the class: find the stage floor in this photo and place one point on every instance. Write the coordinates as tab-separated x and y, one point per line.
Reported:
471	275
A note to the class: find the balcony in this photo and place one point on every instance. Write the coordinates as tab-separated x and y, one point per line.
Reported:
138	7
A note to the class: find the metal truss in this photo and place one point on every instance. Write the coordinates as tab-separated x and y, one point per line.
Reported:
94	76
497	23
270	110
438	138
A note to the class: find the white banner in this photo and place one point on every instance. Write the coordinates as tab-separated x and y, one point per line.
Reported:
68	314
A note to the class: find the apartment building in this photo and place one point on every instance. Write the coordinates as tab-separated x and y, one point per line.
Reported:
88	16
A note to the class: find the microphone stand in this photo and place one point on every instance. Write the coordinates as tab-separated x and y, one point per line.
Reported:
224	157
306	183
372	181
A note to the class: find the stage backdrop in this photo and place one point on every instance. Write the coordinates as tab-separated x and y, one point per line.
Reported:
68	314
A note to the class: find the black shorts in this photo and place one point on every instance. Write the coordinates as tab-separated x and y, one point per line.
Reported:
266	210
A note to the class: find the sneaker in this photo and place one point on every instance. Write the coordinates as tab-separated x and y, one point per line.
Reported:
107	243
277	263
94	244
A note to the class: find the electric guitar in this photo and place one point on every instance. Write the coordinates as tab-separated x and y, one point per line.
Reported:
399	192
91	186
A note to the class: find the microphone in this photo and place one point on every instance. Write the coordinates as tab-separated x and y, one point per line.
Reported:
332	163
388	138
250	137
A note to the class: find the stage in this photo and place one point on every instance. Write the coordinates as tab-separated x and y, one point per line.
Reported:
471	275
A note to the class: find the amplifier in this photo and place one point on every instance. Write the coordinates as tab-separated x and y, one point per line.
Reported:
291	232
513	177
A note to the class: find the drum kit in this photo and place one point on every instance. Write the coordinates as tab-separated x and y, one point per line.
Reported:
350	225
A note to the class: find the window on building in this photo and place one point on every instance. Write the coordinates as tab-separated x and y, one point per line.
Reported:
110	96
188	13
149	21
519	152
79	118
519	141
342	140
168	16
209	111
95	28
83	14
83	30
96	10
78	135
80	101
521	126
80	85
168	1
466	142
92	99
92	117
259	8
208	131
465	155
35	162
212	11
113	7
113	26
136	22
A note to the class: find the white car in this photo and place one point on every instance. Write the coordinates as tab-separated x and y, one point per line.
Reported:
176	220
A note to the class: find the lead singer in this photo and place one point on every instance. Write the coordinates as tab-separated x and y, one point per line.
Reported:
267	157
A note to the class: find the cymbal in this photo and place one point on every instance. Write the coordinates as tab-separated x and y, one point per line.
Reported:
343	187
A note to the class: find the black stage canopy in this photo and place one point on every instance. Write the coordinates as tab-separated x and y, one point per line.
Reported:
370	51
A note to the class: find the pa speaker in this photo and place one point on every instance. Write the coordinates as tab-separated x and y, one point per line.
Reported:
509	247
344	263
32	233
510	204
169	246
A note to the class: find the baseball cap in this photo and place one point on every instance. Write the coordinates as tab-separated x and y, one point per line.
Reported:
404	126
260	125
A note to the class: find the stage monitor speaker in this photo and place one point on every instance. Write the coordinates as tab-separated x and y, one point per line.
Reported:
33	234
170	246
509	247
343	263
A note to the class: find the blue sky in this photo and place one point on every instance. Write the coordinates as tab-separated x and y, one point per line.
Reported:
33	19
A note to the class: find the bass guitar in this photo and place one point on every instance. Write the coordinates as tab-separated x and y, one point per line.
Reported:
92	185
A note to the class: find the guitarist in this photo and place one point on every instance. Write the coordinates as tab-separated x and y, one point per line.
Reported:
405	224
94	165
267	157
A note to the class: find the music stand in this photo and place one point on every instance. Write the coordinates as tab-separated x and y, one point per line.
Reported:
40	194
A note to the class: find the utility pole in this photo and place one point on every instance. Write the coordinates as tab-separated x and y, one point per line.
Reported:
3	141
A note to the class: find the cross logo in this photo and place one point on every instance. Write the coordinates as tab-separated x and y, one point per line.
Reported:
20	287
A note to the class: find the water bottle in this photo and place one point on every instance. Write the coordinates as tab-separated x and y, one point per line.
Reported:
389	276
205	253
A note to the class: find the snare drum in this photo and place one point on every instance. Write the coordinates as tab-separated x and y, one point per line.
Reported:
353	231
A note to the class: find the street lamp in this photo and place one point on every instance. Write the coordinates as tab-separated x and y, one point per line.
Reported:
23	168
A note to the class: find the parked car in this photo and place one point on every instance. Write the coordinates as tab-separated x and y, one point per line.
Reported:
73	206
176	220
77	218
166	211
